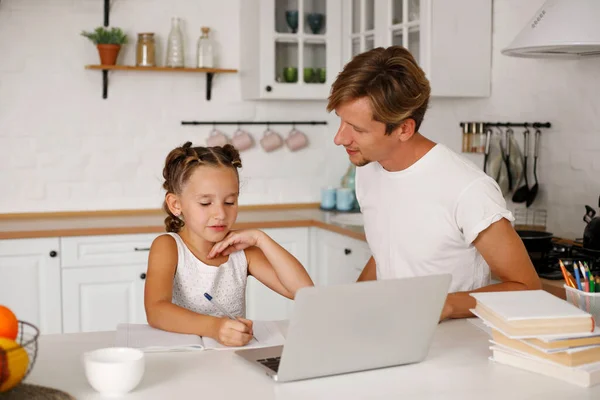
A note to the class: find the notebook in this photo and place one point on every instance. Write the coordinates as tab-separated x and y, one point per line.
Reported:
149	339
531	313
585	375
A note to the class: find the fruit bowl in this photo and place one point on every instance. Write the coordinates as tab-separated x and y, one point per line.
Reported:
18	357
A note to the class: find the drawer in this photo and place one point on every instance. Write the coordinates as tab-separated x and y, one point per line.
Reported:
105	250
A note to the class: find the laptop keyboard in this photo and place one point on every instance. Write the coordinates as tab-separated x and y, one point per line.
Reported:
271	363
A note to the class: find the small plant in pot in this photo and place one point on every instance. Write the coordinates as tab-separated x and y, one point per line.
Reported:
108	42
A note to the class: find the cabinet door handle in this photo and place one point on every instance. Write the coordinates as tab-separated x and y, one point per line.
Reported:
143	276
141	248
53	254
347	251
268	88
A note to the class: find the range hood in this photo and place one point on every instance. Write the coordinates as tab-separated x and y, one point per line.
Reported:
560	29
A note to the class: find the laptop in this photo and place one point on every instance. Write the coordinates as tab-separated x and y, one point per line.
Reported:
356	327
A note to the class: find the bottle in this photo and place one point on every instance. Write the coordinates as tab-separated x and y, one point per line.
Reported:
348	184
145	50
175	45
205	50
348	180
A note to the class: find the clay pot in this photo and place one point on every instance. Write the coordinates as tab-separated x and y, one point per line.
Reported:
108	53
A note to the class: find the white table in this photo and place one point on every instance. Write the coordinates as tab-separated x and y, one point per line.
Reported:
457	367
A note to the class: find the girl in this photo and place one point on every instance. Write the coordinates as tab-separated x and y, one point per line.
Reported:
200	253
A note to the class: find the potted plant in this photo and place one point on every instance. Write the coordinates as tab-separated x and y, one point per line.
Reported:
108	42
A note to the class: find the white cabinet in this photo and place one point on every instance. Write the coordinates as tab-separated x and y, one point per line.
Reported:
103	281
30	281
451	39
261	302
99	298
338	259
290	49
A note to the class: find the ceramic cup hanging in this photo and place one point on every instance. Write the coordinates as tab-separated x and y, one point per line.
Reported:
217	138
242	140
296	140
271	140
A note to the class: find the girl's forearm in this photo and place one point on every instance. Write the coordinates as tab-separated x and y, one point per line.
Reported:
290	272
170	317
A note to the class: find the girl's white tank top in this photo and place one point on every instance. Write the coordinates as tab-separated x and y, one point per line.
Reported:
225	283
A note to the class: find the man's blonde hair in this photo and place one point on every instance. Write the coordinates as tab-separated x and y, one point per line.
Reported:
393	82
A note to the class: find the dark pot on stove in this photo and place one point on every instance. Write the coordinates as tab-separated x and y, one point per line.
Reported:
536	241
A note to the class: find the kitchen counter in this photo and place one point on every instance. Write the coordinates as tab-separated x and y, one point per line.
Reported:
457	367
151	221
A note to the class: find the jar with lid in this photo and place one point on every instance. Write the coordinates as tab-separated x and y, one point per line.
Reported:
145	50
206	50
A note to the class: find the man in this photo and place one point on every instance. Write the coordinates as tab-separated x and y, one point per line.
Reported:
427	210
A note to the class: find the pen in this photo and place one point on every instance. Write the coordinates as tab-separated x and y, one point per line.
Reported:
220	308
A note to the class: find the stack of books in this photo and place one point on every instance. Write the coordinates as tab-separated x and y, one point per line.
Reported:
539	332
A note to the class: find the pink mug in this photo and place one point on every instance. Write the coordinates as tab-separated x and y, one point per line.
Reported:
271	141
217	138
242	140
296	140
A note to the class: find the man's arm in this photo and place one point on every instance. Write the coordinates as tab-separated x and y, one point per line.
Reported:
369	272
503	250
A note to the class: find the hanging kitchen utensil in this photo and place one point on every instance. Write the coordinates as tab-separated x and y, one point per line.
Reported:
516	162
507	149
488	137
522	194
496	165
534	189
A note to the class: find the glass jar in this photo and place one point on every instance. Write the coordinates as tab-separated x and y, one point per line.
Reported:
145	50
205	51
175	45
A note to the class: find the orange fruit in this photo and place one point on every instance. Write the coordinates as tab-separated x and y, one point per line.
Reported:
9	326
14	361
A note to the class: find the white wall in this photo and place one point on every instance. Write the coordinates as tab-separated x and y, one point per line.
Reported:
564	92
64	148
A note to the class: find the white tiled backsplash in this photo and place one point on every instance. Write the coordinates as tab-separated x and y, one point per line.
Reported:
64	148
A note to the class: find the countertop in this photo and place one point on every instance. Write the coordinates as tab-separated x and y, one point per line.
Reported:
151	221
457	367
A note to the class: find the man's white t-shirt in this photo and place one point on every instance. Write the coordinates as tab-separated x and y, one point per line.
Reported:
423	220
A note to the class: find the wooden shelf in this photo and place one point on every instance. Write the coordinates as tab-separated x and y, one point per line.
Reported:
210	72
161	69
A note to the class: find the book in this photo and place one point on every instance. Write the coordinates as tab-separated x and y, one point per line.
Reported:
531	313
149	339
569	357
585	375
557	343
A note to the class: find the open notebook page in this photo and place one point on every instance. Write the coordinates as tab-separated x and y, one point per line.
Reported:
150	339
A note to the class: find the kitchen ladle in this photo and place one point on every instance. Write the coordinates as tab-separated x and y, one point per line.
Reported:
534	189
522	194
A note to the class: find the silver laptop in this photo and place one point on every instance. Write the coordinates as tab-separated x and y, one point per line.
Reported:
356	327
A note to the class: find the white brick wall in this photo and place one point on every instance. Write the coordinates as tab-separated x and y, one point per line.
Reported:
64	148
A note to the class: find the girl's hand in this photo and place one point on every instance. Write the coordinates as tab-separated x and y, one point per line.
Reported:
234	332
234	241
